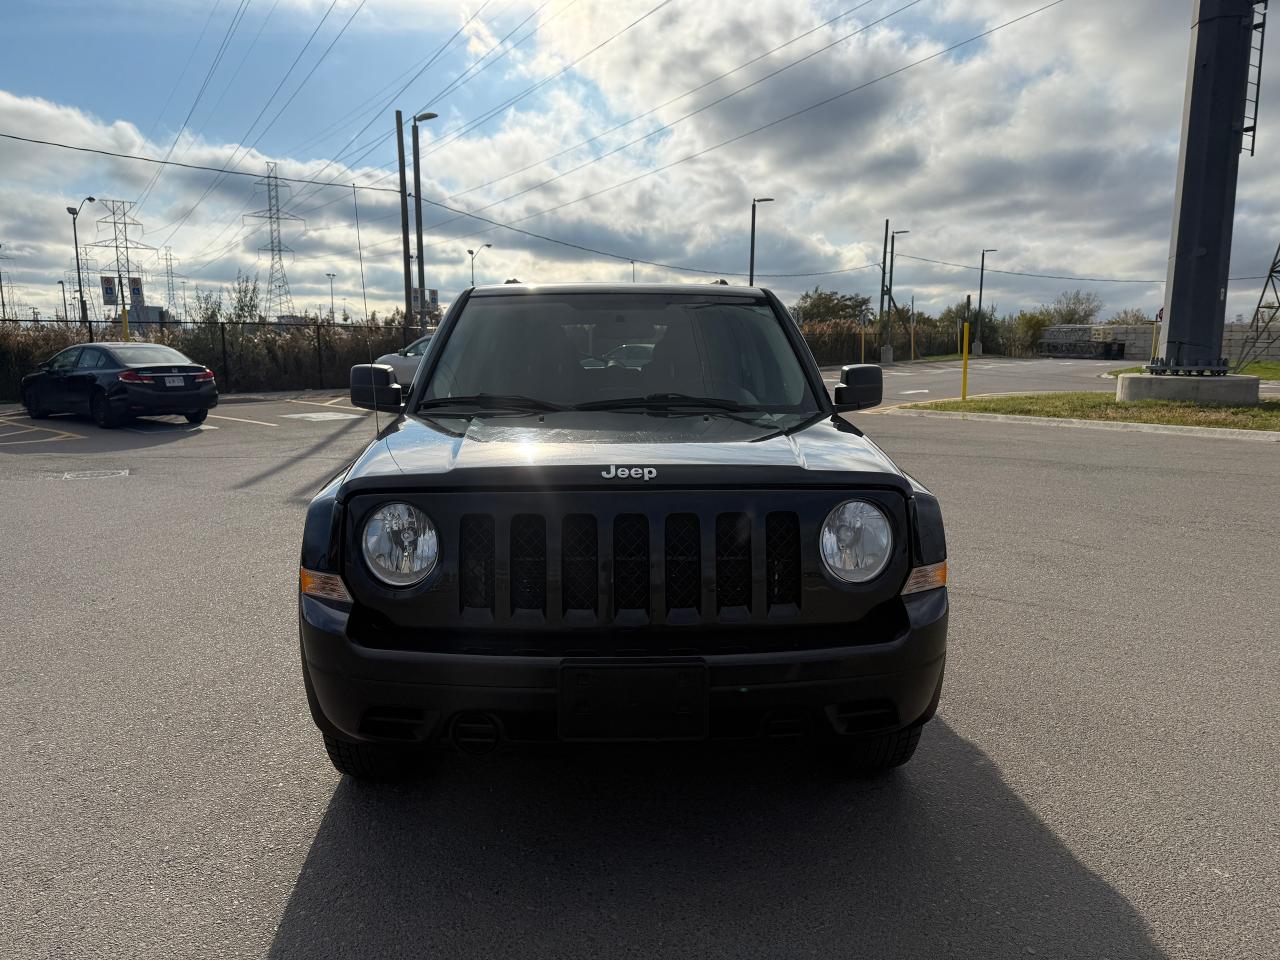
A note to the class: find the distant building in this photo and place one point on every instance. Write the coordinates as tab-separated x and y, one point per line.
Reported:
148	318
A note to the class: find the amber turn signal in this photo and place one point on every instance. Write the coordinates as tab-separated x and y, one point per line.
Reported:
327	586
926	578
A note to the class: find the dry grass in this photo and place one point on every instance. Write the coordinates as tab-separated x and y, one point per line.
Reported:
1102	406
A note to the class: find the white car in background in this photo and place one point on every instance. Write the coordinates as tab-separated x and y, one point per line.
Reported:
405	360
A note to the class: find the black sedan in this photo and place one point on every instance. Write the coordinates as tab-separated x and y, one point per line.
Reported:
114	381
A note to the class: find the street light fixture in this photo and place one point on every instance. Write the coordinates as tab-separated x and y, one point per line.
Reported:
751	270
982	276
417	205
475	253
75	236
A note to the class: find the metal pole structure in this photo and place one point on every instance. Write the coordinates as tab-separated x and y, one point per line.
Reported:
633	271
880	316
751	270
475	253
982	275
75	238
1214	122
417	204
331	276
185	316
63	285
404	226
4	310
893	253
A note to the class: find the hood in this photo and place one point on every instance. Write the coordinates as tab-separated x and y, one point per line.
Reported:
618	449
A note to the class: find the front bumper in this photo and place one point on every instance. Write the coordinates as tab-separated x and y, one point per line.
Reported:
376	695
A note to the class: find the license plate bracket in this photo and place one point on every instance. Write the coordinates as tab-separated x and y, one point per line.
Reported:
634	701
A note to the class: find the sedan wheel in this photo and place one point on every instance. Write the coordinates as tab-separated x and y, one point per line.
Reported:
35	410
101	411
197	416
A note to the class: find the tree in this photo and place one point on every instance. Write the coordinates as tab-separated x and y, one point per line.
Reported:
1075	306
821	306
1129	315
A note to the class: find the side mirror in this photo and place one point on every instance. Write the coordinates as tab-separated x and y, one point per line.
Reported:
862	386
374	387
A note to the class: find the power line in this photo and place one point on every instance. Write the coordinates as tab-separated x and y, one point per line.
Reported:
1047	276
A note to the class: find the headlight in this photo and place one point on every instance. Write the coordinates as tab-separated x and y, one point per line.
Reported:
857	541
400	544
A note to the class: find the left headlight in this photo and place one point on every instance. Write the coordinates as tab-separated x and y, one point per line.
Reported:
400	544
857	541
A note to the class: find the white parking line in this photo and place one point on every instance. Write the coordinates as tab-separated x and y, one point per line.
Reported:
897	373
261	423
905	392
317	403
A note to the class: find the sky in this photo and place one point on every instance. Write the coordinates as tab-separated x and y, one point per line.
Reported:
637	129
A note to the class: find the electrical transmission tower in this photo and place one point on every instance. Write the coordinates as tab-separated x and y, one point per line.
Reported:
171	297
279	300
122	247
1264	329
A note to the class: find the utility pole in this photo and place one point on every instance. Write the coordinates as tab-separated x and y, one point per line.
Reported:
185	316
417	204
893	254
331	276
404	225
751	277
884	275
63	285
1218	114
4	310
982	276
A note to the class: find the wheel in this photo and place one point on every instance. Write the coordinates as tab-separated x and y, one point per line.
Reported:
102	413
374	761
35	410
880	752
197	416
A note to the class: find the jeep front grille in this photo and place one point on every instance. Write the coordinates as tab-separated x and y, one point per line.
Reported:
542	555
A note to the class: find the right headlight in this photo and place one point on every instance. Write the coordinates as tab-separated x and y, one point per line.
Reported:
856	541
400	544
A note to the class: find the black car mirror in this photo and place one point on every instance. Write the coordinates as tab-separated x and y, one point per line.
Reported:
862	386
374	387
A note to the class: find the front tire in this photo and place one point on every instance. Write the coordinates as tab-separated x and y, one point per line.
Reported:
100	410
197	416
375	761
35	410
880	752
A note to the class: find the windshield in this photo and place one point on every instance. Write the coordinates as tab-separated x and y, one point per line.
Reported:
148	353
575	350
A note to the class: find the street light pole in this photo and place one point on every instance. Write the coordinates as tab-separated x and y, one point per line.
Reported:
63	285
404	226
982	275
475	253
751	270
75	238
331	276
893	252
417	204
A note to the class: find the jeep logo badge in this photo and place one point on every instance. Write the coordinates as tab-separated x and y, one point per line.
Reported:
629	473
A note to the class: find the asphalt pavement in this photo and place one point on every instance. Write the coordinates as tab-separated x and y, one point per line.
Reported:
1101	780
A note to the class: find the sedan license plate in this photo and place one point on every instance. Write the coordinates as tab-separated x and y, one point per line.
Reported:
173	381
633	701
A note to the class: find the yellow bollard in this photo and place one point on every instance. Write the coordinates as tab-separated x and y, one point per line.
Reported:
964	353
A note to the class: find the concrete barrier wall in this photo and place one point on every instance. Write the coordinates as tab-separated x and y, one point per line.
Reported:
1137	339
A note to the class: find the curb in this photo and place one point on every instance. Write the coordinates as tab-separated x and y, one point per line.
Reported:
1218	433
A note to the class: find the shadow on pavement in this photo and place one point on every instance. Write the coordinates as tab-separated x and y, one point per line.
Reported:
732	854
68	433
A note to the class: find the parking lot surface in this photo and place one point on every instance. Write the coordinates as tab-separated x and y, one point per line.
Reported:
1101	780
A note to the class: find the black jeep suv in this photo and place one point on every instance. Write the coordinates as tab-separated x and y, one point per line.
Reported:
555	539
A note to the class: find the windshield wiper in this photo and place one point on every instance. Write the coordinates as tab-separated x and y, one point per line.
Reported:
491	401
663	401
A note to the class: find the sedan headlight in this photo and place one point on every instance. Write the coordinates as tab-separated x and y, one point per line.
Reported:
857	541
400	544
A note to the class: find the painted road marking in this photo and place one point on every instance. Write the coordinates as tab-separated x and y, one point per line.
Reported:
317	416
1065	363
25	428
94	474
261	423
897	373
317	403
906	392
